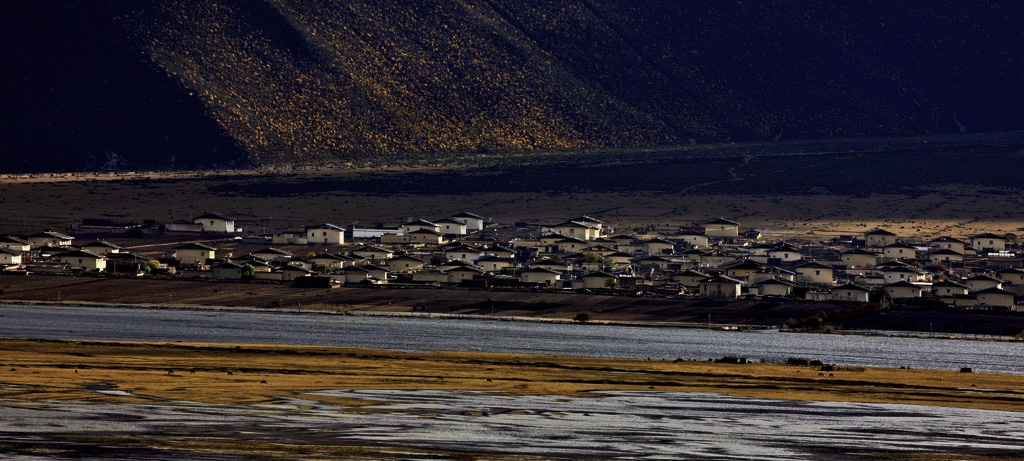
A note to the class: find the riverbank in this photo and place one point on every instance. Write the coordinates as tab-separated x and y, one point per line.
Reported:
470	303
226	377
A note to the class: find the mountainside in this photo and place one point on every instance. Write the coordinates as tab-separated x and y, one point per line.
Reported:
120	83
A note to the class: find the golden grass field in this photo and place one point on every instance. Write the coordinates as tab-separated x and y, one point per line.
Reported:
85	373
233	374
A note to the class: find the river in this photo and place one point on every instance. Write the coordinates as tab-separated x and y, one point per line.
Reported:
397	333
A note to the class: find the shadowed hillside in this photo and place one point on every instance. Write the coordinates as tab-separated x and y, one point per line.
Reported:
182	83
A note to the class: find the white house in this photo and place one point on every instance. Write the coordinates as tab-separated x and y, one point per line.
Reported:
720	286
417	225
84	260
988	242
774	287
15	243
904	289
191	254
948	243
325	234
859	258
451	226
473	222
577	230
216	222
879	238
722	227
982	282
814	273
49	238
9	257
849	292
598	279
540	276
463	253
899	251
101	247
995	297
947	289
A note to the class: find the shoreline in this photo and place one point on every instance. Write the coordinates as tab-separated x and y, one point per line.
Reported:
523	319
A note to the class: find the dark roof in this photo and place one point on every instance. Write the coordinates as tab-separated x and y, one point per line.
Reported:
905	284
326	226
813	265
946	251
599	274
570	239
419	222
194	246
849	286
449	221
721	278
81	253
273	251
466	214
945	239
52	234
12	239
586	218
540	270
745	264
775	282
858	251
101	243
988	235
879	232
689	273
9	251
723	221
425	231
994	291
214	216
947	283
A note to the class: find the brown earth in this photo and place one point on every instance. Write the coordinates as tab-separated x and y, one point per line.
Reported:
806	195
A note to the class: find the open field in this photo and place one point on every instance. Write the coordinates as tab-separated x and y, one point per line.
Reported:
913	192
275	381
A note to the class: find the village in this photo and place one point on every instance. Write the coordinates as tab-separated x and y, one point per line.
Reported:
714	259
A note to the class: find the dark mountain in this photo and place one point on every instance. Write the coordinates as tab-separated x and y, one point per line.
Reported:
212	83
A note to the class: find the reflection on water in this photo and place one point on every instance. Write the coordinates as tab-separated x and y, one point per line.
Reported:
607	425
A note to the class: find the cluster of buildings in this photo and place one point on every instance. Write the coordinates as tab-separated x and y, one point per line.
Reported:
715	259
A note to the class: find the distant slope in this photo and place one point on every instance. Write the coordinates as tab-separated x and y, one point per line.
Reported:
297	81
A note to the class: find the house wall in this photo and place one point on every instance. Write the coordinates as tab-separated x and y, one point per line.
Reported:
815	276
325	237
773	290
9	259
989	244
875	241
721	230
899	253
536	277
595	282
854	260
719	290
995	299
849	295
903	292
193	257
217	225
84	263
